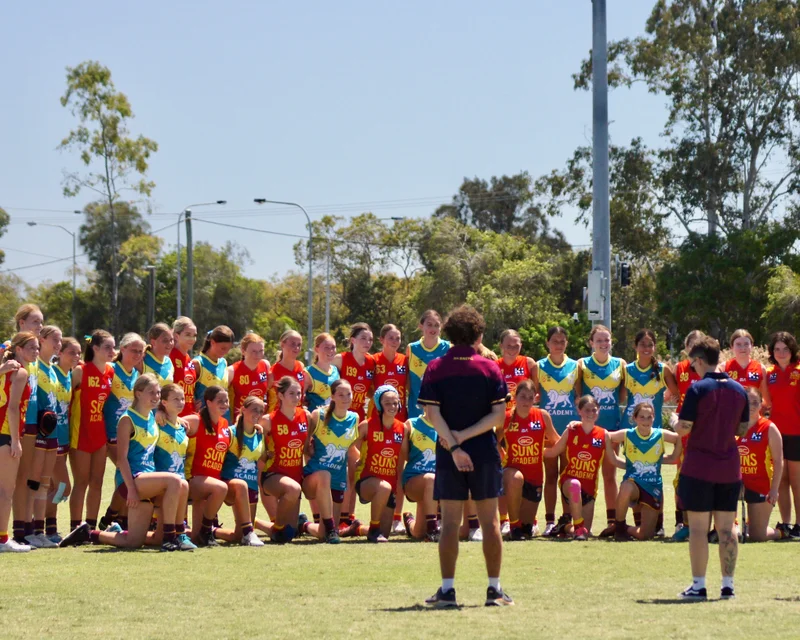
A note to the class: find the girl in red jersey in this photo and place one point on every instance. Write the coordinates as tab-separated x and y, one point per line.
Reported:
522	439
14	393
286	431
761	457
91	385
287	364
249	376
585	446
742	368
204	459
381	439
185	374
516	367
783	379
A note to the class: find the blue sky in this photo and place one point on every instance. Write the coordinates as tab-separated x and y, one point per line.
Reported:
343	107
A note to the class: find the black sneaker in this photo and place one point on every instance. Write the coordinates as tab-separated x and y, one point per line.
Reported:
431	536
726	593
376	536
690	593
78	536
516	534
527	530
302	521
794	532
332	537
442	599
609	531
563	521
170	545
207	540
103	524
785	529
713	537
496	598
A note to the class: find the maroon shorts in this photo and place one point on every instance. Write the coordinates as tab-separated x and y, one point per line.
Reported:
32	429
46	444
647	499
337	496
63	449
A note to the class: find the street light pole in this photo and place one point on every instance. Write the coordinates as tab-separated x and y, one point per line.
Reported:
310	330
187	211
74	264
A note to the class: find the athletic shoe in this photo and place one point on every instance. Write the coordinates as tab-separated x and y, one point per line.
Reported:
660	533
302	520
505	528
785	529
681	535
12	546
170	545
103	524
548	529
206	540
516	535
397	526
581	533
496	598
78	536
690	593
343	527
475	535
376	536
408	518
185	543
622	536
332	537
795	531
252	540
442	599
54	537
713	537
608	531
534	531
40	541
114	527
351	530
563	521
431	537
726	593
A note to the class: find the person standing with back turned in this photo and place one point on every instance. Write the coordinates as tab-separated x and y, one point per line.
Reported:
715	411
465	395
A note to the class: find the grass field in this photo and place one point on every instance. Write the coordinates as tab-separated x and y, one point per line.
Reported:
594	589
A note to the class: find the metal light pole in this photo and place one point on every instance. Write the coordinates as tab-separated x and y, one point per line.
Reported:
185	211
310	331
74	266
151	295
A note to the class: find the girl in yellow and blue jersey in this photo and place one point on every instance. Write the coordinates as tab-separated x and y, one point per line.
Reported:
211	366
646	379
419	452
156	356
322	373
126	370
602	376
420	354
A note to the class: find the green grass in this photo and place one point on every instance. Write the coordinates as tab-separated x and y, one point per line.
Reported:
595	589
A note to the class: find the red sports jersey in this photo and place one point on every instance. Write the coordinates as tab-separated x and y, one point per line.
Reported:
247	382
184	376
298	372
585	457
287	439
5	393
514	373
395	373
749	376
87	425
381	451
756	458
685	375
360	378
525	444
206	451
785	393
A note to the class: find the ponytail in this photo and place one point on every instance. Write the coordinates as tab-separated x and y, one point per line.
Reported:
95	340
332	406
205	417
217	334
249	401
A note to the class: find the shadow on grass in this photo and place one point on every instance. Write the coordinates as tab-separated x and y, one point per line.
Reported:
673	601
422	607
792	599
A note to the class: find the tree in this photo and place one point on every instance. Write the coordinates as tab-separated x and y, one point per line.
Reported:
4	220
114	161
782	311
11	297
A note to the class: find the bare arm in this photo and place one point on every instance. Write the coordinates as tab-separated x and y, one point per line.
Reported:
776	451
623	389
559	447
671	382
124	428
677	447
617	437
766	399
446	438
550	433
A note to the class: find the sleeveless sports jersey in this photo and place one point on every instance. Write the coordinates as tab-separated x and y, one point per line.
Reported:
419	358
421	449
163	369
394	373
298	372
46	391
643	460
644	385
286	441
142	447
119	399
171	449
87	426
784	389
685	375
185	376
604	381
525	444
5	394
331	443
32	412
585	453
756	458
64	397
749	376
360	378
557	391
243	465
513	374
209	374
381	451
319	395
248	382
206	453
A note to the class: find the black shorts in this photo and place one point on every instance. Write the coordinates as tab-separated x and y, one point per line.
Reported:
483	483
5	439
532	492
791	448
751	497
391	502
703	496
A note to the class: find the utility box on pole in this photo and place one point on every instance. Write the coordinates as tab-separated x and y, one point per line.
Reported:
596	295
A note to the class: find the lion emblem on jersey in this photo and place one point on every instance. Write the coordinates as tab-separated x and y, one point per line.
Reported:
603	396
556	399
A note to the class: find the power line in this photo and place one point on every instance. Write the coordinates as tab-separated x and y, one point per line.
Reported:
30	253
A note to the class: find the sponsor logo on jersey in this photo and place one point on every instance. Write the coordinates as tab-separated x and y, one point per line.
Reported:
597	442
773	377
387	452
295	444
221	446
584	455
369	375
757	437
753	376
743	450
525	441
401	369
536	425
262	377
398	438
519	371
302	427
360	388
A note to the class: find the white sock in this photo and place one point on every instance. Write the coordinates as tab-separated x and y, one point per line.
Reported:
727	581
699	583
448	583
494	582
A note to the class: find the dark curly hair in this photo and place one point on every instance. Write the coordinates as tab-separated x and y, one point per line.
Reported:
464	325
789	340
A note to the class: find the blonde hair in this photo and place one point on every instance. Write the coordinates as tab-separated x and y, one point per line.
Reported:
249	338
24	311
127	340
181	324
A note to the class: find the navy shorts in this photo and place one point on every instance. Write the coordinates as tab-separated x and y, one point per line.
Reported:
791	448
752	497
704	496
483	483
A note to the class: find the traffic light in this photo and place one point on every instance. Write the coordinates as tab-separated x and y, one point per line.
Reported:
625	274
